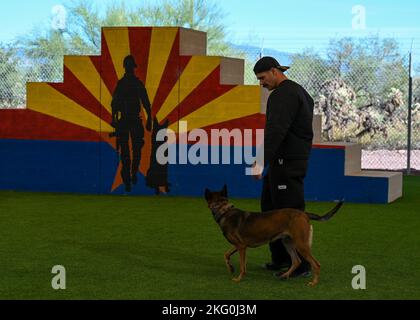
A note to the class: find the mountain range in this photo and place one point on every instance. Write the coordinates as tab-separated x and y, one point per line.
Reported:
253	53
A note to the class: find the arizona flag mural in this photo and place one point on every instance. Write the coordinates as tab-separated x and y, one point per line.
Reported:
65	140
90	135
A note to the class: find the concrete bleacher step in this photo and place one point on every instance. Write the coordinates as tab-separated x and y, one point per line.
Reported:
353	162
232	71
352	167
395	181
194	43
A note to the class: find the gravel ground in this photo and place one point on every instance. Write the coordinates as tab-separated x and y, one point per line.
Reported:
389	159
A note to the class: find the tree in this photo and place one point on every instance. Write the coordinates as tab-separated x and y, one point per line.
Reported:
43	54
416	86
359	86
195	14
11	79
416	111
310	70
83	31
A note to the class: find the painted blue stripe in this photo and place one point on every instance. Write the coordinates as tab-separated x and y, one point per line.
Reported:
56	166
90	167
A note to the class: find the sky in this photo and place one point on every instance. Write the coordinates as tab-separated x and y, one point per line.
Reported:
289	26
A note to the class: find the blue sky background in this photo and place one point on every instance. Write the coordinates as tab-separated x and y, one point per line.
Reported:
288	26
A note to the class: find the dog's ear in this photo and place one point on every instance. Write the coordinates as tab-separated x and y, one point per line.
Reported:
207	194
224	191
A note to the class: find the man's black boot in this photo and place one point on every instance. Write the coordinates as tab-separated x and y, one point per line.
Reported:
275	266
303	271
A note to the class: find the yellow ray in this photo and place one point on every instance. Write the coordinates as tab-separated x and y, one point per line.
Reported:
45	99
84	70
160	47
239	102
197	69
106	97
118	43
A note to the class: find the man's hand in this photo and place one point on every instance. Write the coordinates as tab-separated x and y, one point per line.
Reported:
257	171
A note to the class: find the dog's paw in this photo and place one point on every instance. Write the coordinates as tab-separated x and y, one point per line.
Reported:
237	279
311	284
282	276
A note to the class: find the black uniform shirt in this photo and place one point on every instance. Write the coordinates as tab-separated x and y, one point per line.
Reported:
288	130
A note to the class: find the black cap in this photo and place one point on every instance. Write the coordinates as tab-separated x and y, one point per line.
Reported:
266	63
129	62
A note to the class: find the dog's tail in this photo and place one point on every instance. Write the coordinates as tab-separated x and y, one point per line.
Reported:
326	216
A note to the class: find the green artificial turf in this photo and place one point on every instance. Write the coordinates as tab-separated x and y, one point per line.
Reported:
119	247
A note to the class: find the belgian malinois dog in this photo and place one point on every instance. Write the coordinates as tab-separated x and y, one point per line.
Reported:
252	229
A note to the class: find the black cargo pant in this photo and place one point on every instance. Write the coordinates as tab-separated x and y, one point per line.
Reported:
283	188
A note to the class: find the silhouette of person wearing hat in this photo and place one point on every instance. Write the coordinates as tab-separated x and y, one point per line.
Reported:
129	95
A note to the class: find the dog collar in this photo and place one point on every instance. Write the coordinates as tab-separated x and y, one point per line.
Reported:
218	215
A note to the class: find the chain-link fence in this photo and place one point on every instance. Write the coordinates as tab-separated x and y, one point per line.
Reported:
367	104
16	70
363	100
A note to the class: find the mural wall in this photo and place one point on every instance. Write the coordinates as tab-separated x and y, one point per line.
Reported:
97	131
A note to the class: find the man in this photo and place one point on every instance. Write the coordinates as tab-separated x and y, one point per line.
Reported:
287	144
127	99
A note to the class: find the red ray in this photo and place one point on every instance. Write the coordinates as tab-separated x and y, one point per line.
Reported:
254	121
208	90
76	91
323	146
105	66
32	125
139	46
175	65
